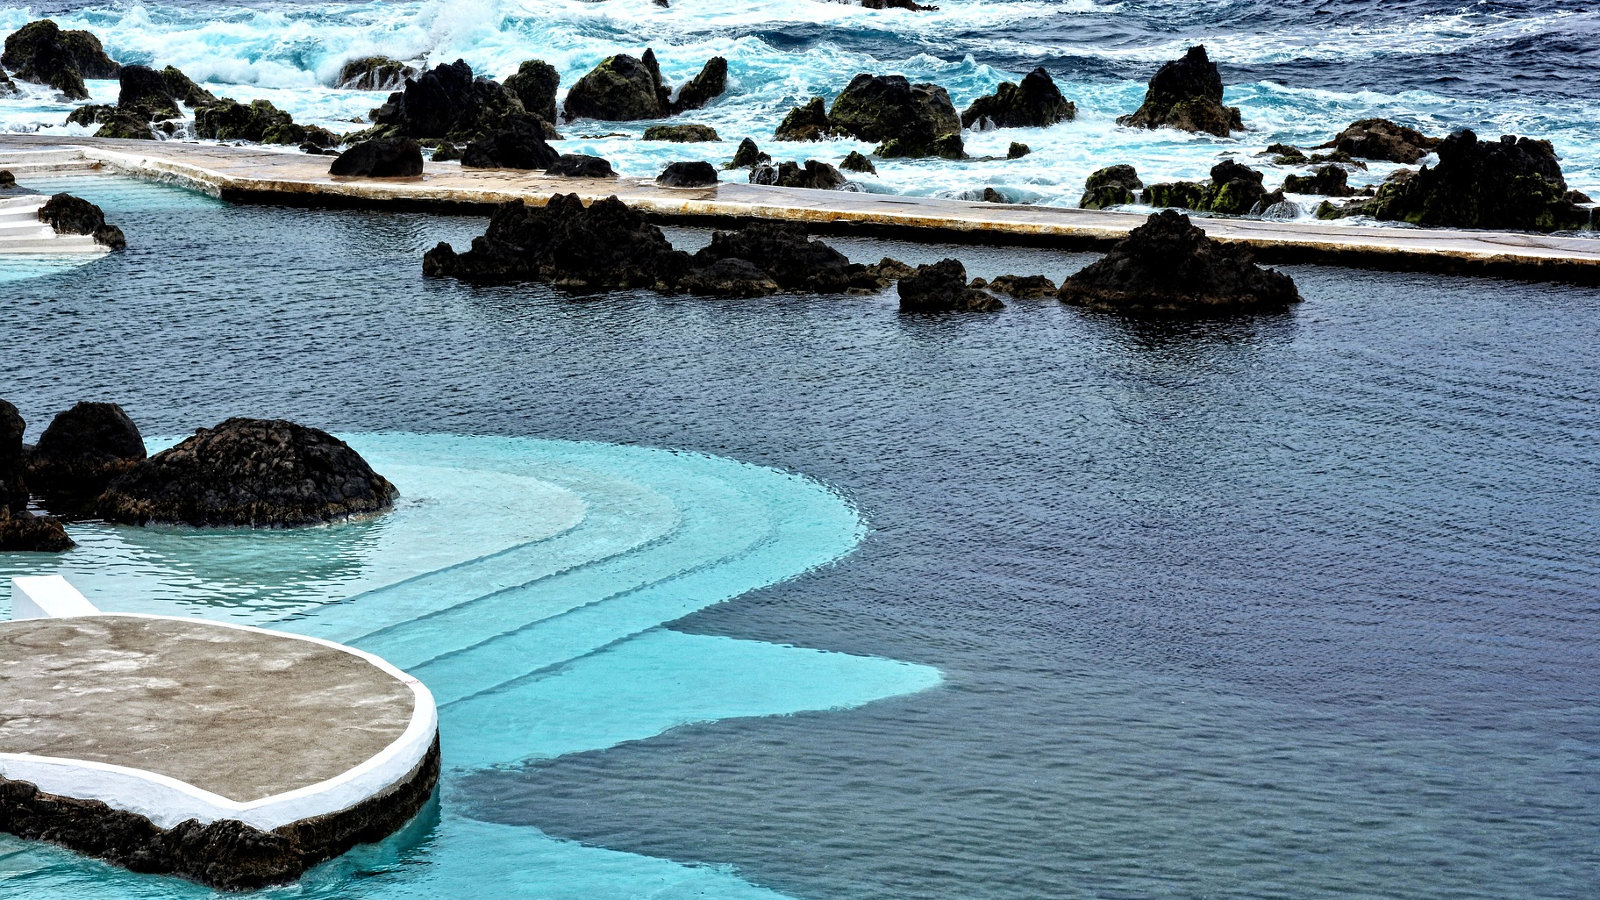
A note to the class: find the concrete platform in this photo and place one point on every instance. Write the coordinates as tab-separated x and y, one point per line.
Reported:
257	175
231	755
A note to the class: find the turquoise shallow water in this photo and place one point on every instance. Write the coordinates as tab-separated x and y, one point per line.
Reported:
525	582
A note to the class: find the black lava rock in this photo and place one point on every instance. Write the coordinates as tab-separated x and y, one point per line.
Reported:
380	158
748	156
704	87
1111	186
1327	181
855	162
535	84
1187	94
942	287
73	215
445	103
620	89
906	119
82	451
1384	140
788	256
517	143
42	53
1036	103
808	122
815	175
688	174
373	73
574	165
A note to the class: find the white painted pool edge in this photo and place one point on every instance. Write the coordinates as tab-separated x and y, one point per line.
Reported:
167	801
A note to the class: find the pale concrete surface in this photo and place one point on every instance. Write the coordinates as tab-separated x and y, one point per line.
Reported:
241	713
47	597
252	174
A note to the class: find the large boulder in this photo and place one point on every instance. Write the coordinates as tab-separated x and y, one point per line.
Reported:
74	215
1513	183
1111	186
1326	181
1036	103
259	121
1168	267
1383	140
577	165
445	103
82	451
251	473
688	174
787	256
373	73
682	134
145	89
380	158
42	53
604	246
807	122
943	287
704	87
1234	190
1187	94
620	89
516	143
748	156
20	530
535	84
815	175
905	119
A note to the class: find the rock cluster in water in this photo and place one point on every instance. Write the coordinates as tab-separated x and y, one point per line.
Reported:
1035	103
1234	189
902	118
815	174
146	96
373	73
444	103
74	215
1169	267
1382	139
1187	94
248	473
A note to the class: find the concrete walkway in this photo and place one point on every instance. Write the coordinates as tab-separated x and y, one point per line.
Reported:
256	175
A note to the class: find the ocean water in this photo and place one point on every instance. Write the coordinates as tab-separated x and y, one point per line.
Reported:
1299	606
1299	70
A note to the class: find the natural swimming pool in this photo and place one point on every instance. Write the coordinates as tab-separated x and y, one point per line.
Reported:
1293	606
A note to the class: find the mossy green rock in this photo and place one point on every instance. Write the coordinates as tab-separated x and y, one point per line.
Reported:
620	89
535	84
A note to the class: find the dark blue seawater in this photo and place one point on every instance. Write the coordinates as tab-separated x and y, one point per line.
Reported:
1300	606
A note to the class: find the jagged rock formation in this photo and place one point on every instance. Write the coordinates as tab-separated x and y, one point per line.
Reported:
1036	103
1168	267
574	165
1234	190
516	143
249	472
942	287
260	122
380	158
145	96
1383	140
681	134
688	174
815	175
905	119
1187	94
808	122
73	215
535	84
42	53
82	451
1327	181
625	89
1111	186
704	87
445	103
748	156
855	162
373	73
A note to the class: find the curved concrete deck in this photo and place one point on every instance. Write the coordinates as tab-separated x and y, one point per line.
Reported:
256	175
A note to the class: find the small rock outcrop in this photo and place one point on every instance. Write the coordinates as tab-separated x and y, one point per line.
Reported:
905	119
1017	151
576	165
620	89
786	256
1382	139
604	246
815	175
535	84
1111	186
942	287
704	87
1168	267
1327	181
252	473
1036	103
1234	190
380	158
808	122
42	53
259	121
516	143
1024	287
74	215
682	134
21	530
373	73
688	175
447	102
82	451
1187	94
748	156
855	162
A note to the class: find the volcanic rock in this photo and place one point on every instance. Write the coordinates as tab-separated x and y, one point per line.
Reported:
260	121
373	73
681	134
1168	267
815	175
1024	287
446	152
942	287
1036	103
20	530
1328	181
704	87
445	103
516	143
729	278
1111	186
82	451
1234	190
249	472
143	88
73	215
1384	140
687	174
535	84
44	54
8	88
804	123
855	162
788	256
604	246
620	89
1017	151
748	156
380	158
574	165
906	119
1187	94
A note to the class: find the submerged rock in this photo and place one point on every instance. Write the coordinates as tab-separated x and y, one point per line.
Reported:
1234	190
688	174
620	89
905	119
815	175
535	84
855	162
1111	186
73	215
942	287
516	143
704	87
1168	267
1328	181
82	451
445	103
373	73
42	53
24	532
604	246
1036	103
682	134
574	165
249	472
1383	140
805	123
380	158
1187	94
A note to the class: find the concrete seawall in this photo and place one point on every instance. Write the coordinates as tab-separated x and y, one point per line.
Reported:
256	175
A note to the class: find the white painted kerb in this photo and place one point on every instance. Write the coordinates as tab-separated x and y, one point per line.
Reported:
166	801
47	597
